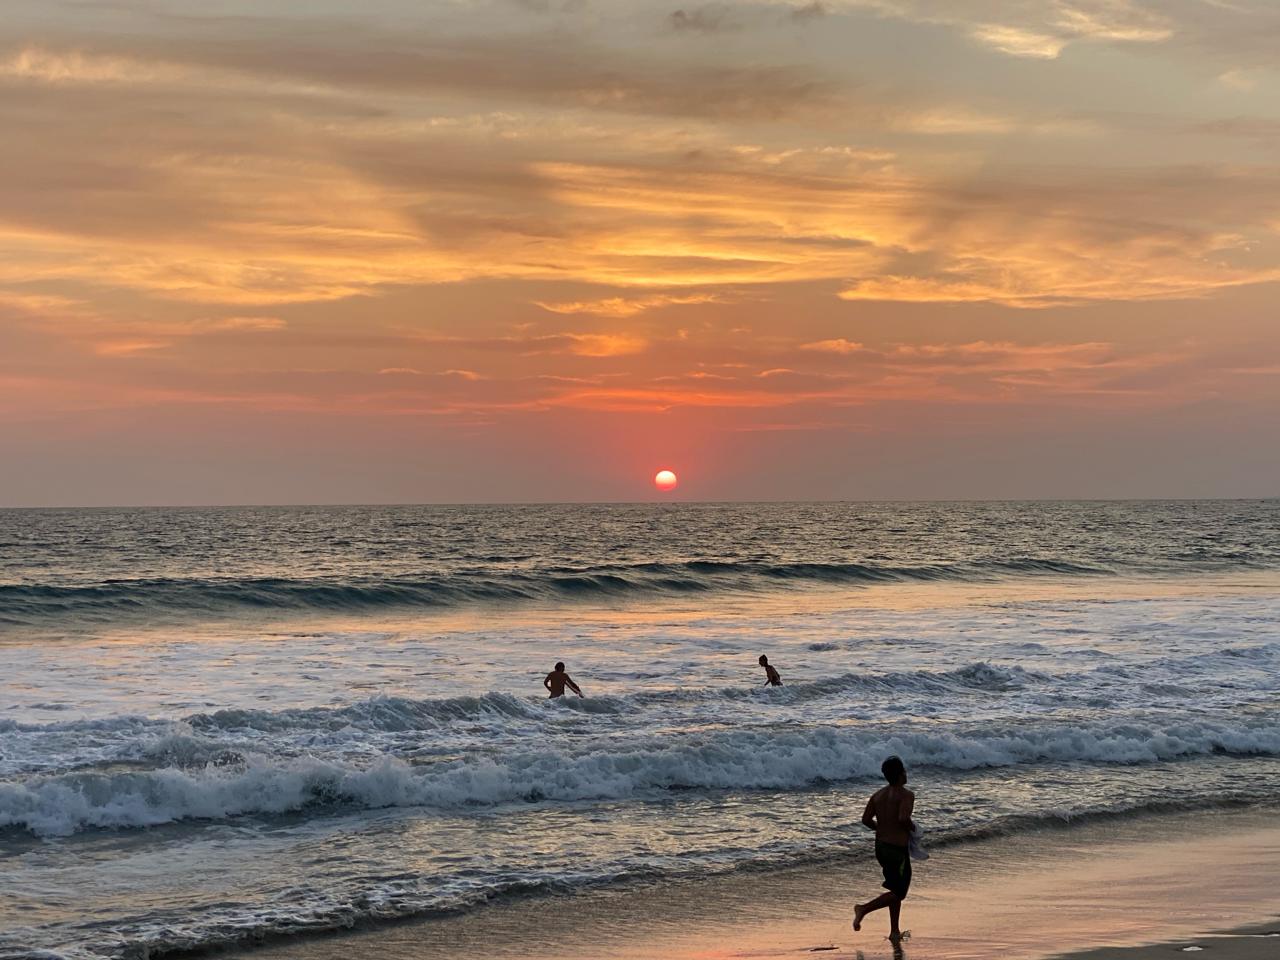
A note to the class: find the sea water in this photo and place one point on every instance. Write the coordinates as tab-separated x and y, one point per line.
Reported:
220	725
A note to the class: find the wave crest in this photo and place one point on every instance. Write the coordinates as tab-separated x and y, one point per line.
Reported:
28	603
761	758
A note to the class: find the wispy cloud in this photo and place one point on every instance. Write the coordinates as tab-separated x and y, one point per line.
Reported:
622	307
838	345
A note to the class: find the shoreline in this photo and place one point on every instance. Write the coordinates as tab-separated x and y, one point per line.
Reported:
1099	891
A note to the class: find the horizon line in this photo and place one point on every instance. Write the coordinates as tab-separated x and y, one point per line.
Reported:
624	503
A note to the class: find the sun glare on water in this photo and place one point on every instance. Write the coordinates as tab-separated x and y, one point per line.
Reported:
665	480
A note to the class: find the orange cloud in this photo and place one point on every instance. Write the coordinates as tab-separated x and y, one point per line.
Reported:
605	344
838	345
623	307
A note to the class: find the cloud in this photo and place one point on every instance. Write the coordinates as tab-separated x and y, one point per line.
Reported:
1019	42
452	59
622	307
1238	79
40	65
114	347
839	345
1038	29
953	120
1111	20
709	18
241	323
606	344
808	11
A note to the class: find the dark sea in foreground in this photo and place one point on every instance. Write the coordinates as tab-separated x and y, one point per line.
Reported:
221	724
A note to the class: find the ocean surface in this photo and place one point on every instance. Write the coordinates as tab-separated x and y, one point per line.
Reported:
224	725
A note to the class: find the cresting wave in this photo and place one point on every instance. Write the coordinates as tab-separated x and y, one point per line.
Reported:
758	758
30	603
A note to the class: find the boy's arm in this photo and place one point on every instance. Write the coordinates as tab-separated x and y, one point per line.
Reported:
572	686
905	809
869	815
546	682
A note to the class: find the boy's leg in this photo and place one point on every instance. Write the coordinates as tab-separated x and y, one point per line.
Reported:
895	910
880	902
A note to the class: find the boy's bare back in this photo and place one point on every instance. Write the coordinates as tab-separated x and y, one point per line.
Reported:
891	808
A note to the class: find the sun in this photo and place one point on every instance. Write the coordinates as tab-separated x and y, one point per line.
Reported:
665	480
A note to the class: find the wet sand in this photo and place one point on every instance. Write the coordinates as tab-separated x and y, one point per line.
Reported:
1250	943
1126	888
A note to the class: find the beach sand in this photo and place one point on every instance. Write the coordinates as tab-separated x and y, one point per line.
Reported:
1125	888
1250	943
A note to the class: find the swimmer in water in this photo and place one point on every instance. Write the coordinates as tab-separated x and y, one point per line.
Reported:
557	680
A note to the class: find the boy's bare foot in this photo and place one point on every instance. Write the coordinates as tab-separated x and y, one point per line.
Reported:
894	937
858	913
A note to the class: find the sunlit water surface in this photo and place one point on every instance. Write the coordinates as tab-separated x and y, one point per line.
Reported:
223	724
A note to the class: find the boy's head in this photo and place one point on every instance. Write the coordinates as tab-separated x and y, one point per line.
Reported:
764	661
560	667
894	771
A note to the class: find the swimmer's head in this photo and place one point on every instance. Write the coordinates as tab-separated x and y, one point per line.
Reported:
764	661
894	770
560	667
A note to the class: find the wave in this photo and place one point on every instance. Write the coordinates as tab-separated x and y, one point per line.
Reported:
393	713
743	759
30	603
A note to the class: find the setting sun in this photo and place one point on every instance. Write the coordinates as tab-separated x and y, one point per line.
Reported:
665	480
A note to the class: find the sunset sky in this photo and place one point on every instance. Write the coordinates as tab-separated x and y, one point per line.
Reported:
455	250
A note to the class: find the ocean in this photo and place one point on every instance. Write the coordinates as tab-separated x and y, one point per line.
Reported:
227	725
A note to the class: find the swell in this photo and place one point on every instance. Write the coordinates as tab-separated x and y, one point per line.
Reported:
762	758
32	602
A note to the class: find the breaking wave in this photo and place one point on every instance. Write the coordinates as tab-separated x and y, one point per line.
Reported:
743	759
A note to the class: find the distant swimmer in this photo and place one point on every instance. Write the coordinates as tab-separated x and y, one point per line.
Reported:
888	813
771	678
557	680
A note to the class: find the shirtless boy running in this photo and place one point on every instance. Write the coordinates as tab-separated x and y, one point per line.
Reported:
888	813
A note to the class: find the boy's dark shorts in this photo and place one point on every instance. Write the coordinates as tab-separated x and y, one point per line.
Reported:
896	863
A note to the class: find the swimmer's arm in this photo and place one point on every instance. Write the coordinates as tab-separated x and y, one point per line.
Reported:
546	682
572	686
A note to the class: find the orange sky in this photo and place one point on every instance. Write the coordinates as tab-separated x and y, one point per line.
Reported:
534	249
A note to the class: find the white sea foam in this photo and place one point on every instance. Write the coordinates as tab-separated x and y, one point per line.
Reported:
737	759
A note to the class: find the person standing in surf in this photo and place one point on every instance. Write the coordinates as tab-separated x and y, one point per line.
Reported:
771	676
888	813
557	680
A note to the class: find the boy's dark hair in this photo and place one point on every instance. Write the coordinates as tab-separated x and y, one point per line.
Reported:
894	769
560	666
763	658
